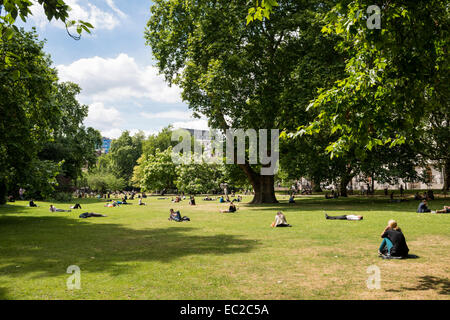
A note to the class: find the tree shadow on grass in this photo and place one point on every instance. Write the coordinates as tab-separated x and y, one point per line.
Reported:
46	246
3	294
441	285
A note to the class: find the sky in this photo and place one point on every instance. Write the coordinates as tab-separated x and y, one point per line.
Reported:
114	68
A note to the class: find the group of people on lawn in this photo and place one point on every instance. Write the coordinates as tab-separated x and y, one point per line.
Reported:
393	244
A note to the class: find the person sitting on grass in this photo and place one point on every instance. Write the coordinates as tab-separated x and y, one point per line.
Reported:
192	201
344	217
231	209
141	203
53	209
11	199
446	209
291	199
423	207
91	214
32	204
280	220
176	216
221	200
394	242
76	206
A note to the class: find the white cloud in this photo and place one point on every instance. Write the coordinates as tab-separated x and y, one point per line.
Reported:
81	10
115	9
115	133
199	124
178	115
120	78
101	116
111	133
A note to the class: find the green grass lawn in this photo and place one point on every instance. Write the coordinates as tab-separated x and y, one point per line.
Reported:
136	253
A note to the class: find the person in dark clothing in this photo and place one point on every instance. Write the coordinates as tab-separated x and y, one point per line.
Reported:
423	207
76	206
291	199
192	201
32	204
91	214
231	209
394	242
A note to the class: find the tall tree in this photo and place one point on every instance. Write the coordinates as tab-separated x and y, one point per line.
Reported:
124	153
233	73
71	141
158	171
26	105
396	75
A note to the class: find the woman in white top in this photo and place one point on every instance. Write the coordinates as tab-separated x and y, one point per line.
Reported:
280	220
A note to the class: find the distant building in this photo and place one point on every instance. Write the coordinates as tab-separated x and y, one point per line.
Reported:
106	145
200	135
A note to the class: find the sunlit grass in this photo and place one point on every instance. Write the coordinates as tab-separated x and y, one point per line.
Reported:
136	253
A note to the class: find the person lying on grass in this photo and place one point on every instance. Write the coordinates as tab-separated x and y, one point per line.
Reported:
344	217
124	201
176	216
446	209
394	242
423	207
91	214
232	208
112	204
53	209
280	221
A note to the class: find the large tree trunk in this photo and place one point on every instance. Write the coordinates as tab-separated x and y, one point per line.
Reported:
264	190
263	186
316	185
343	186
446	176
3	192
345	180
